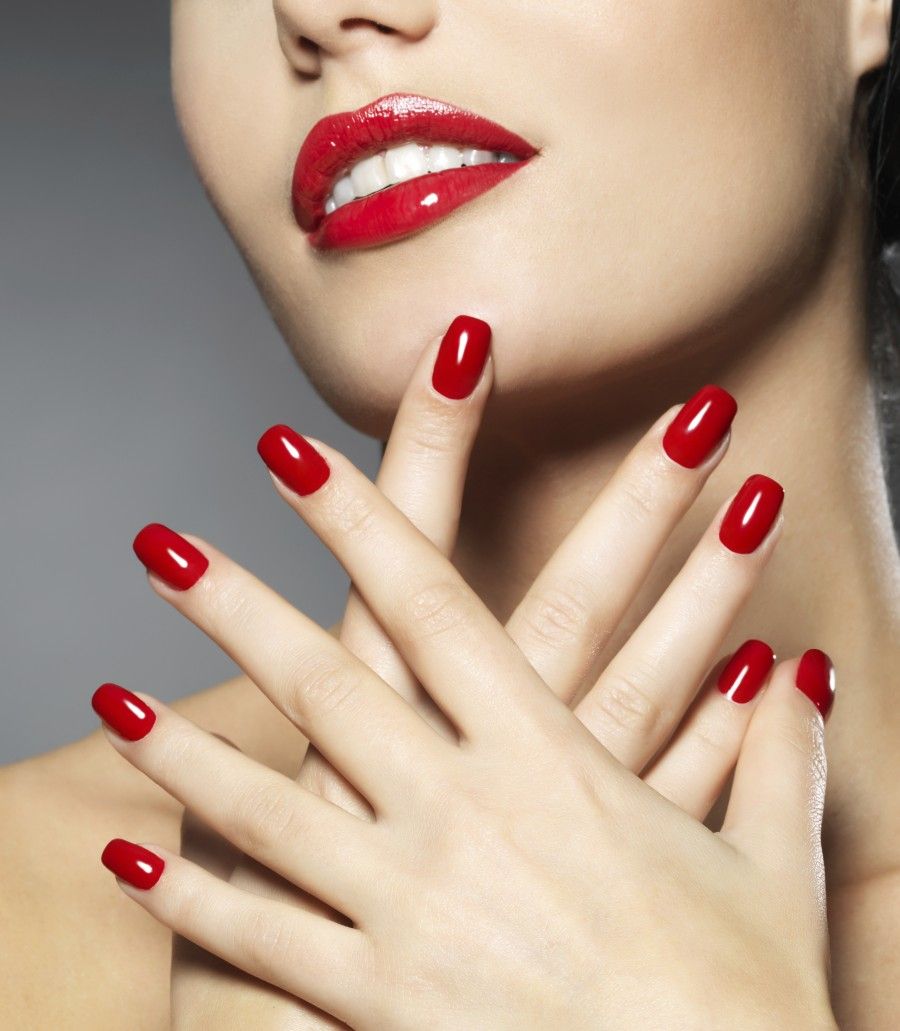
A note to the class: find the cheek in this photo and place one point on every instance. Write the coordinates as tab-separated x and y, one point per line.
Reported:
706	135
688	162
235	105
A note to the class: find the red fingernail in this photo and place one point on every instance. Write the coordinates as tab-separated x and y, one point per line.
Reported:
461	357
746	671
815	678
701	424
751	514
293	459
128	716
139	866
169	555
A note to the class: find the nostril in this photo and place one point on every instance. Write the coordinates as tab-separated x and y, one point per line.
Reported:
305	43
356	23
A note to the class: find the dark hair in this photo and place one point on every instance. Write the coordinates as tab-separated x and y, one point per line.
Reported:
881	100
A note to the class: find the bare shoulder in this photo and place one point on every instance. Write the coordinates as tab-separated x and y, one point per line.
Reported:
77	953
66	925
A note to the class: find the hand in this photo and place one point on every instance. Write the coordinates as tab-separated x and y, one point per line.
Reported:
562	626
529	714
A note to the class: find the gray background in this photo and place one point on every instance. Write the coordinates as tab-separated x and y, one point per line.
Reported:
138	366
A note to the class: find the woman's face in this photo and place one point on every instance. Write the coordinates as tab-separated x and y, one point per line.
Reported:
692	161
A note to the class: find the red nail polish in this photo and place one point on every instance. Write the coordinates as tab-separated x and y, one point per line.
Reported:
815	678
139	866
751	514
293	459
697	429
169	555
128	716
461	357
746	671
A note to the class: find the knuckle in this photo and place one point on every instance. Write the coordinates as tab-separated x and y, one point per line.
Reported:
187	908
317	687
350	514
263	815
438	607
558	613
640	496
805	738
628	705
432	433
230	604
711	739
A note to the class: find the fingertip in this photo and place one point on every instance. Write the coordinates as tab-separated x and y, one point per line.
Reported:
815	678
138	866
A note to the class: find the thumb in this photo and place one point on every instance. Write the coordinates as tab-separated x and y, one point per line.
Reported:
777	798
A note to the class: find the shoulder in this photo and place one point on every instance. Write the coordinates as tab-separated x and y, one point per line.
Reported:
77	951
65	923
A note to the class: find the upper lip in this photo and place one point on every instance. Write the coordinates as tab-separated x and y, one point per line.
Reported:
340	140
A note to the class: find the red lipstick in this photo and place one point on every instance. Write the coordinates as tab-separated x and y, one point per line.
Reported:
337	142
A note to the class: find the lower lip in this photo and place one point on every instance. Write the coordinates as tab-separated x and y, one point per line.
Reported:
403	209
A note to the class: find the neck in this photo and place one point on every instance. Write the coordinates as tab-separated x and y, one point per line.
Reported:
807	417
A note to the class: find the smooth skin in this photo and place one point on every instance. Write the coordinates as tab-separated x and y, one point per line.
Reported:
561	626
512	727
698	215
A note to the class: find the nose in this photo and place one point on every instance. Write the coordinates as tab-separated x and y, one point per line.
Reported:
307	29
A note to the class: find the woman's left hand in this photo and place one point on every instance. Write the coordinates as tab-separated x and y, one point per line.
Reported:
522	878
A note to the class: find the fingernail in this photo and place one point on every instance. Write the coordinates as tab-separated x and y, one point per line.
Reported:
169	556
293	459
133	863
746	671
128	716
699	427
751	514
461	357
815	678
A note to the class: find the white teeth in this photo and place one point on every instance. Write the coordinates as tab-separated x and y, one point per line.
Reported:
441	158
403	162
478	157
369	176
343	191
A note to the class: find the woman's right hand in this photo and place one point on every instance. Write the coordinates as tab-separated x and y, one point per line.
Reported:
650	710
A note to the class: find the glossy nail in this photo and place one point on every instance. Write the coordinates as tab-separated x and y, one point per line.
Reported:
751	514
699	427
293	459
746	671
461	357
133	863
815	678
170	556
128	716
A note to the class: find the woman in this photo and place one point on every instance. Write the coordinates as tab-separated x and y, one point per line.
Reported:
701	214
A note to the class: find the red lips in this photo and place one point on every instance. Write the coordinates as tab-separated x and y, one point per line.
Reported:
340	140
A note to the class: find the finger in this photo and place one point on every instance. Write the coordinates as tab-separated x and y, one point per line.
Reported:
642	694
774	813
581	595
202	846
378	741
693	767
264	814
450	639
423	473
309	956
